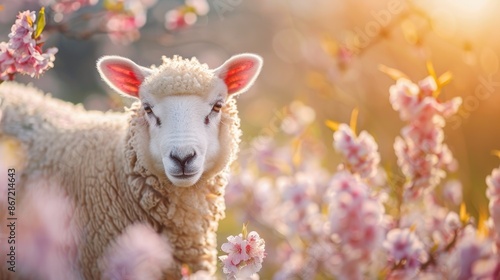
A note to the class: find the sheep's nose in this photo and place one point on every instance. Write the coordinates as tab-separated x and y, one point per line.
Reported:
182	162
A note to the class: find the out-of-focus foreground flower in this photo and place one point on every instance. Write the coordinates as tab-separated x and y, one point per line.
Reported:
139	253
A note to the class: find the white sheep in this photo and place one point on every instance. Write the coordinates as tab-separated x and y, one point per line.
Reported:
163	162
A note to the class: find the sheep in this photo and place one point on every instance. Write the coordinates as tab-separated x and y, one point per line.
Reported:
163	162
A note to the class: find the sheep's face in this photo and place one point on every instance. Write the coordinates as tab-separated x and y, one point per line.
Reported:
184	133
184	112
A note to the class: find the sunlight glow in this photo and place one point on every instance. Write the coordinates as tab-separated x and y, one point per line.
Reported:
469	6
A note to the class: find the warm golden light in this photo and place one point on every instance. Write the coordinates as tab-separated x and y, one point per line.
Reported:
469	6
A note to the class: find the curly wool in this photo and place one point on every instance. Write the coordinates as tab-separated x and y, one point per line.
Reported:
178	75
97	158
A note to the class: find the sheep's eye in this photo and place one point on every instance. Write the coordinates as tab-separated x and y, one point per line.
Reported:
147	109
217	106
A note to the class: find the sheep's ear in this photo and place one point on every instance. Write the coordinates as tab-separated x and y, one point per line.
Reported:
239	72
122	74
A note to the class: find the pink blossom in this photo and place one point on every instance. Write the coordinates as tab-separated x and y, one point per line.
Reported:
360	152
355	216
177	19
139	253
125	18
404	98
452	221
268	156
469	254
68	6
244	255
22	32
452	192
427	86
493	194
47	237
186	15
122	28
299	209
7	62
413	101
23	54
238	187
493	182
405	250
422	155
298	118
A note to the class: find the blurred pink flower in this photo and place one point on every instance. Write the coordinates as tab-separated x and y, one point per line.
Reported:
47	237
422	155
139	253
23	54
493	183
405	251
360	152
244	255
355	216
416	101
298	118
7	62
452	192
125	18
238	187
122	28
186	15
493	194
267	155
177	19
471	252
67	6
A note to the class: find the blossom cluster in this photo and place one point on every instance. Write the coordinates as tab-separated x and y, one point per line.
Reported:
357	221
351	224
360	152
245	254
23	52
422	155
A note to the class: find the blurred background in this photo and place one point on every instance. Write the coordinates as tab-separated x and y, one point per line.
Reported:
324	54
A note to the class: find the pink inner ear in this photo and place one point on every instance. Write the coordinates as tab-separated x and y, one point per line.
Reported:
124	78
238	75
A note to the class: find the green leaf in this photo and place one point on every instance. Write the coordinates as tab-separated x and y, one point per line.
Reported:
40	23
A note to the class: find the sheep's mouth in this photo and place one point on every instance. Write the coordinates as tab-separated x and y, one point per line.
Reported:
183	176
184	179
